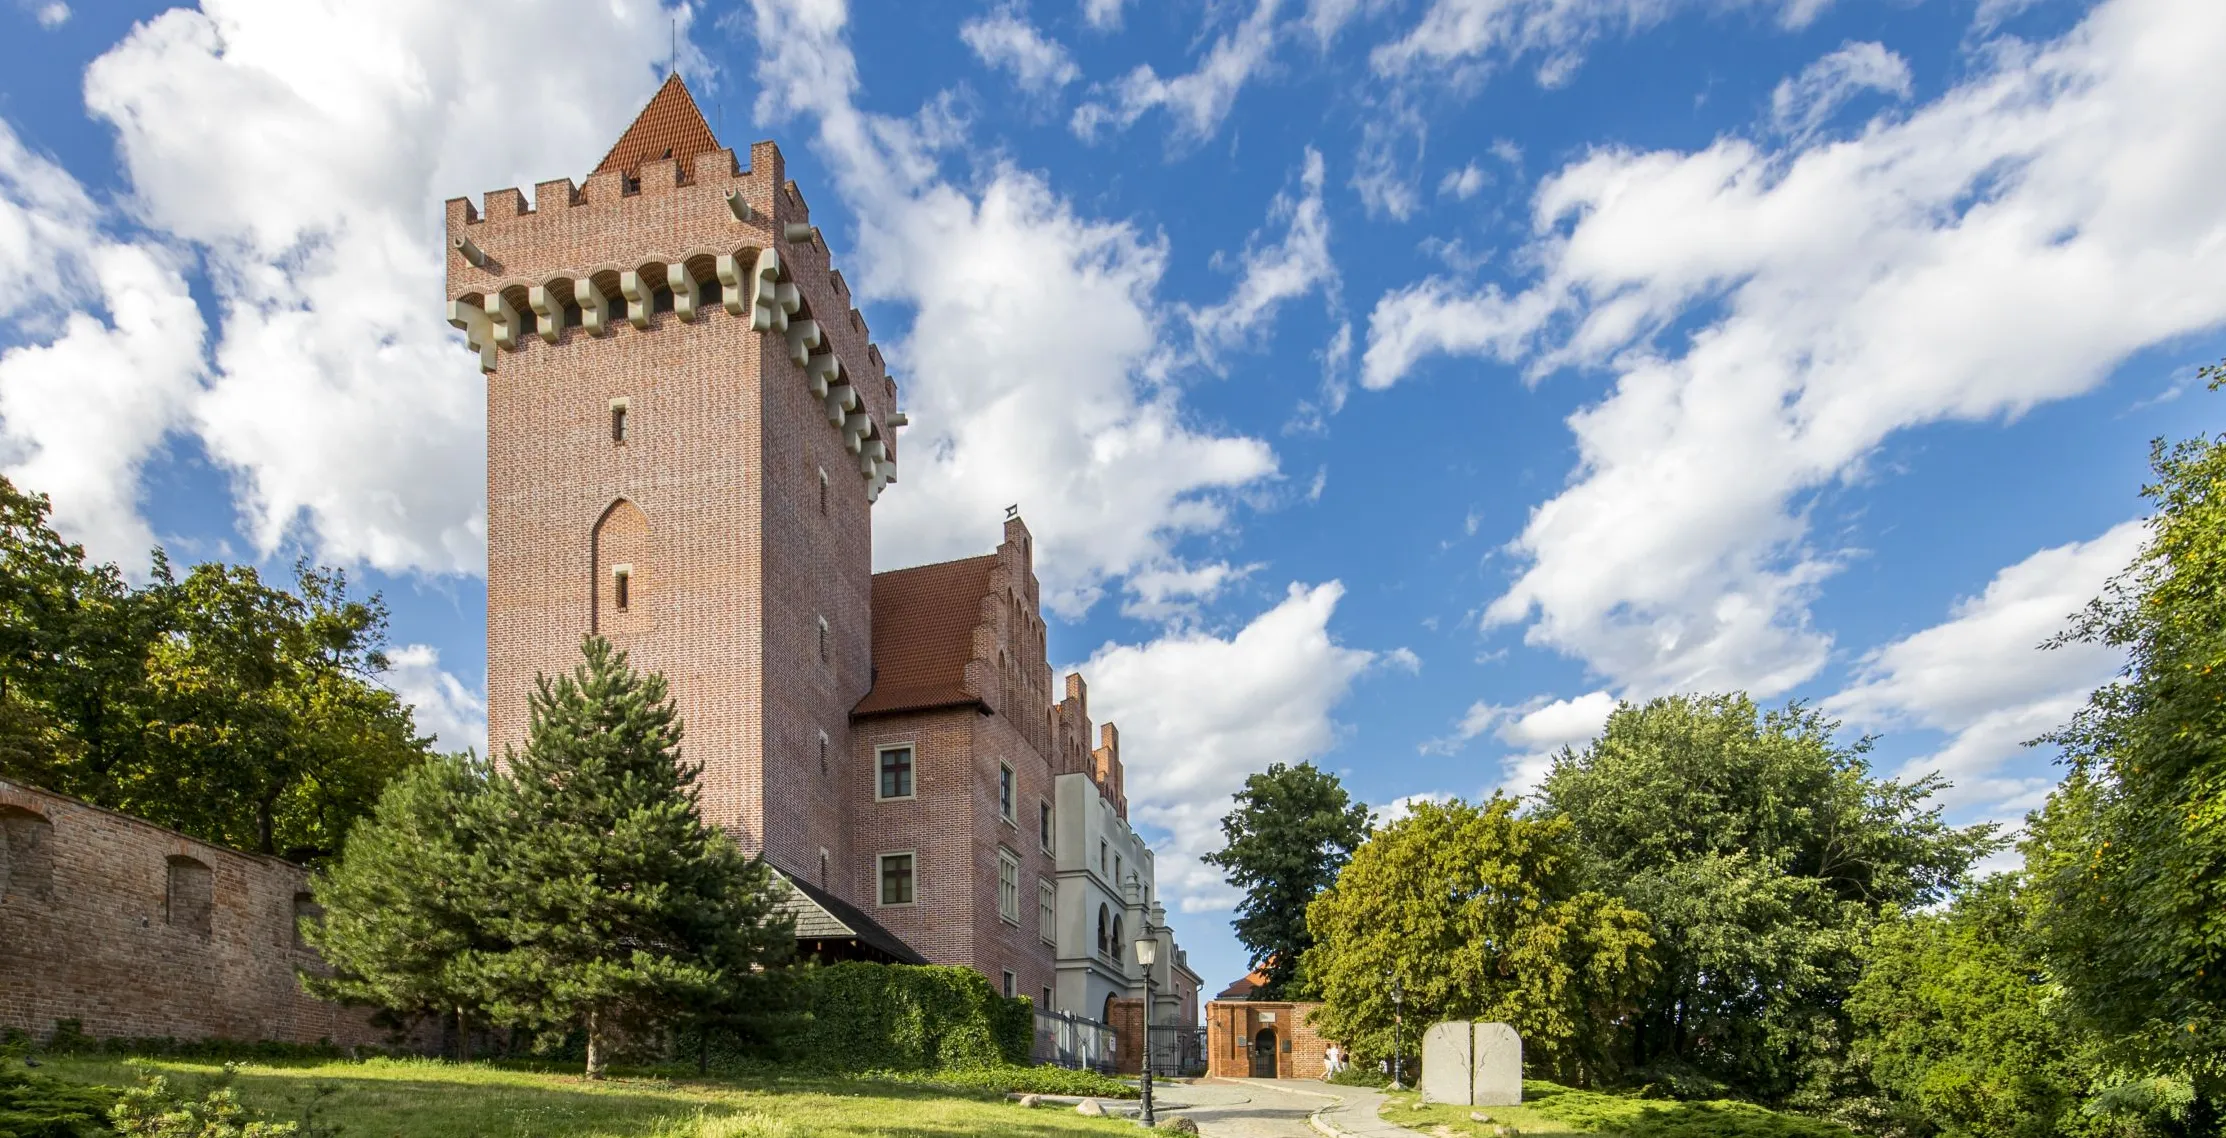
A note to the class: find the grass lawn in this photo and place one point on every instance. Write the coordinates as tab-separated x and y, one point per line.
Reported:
427	1099
1551	1111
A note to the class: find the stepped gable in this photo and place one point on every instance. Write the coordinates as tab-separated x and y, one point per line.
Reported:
671	126
923	635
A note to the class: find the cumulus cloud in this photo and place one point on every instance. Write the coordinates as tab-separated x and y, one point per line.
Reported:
1008	288
1005	41
1459	35
1198	100
1276	272
110	358
1982	677
1104	15
1800	105
2005	245
49	15
444	707
300	149
1199	712
1534	731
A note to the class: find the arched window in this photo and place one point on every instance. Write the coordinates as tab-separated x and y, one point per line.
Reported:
190	897
26	855
1120	948
1103	940
622	560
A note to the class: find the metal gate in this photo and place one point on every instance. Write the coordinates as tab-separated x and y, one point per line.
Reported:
1178	1050
1071	1041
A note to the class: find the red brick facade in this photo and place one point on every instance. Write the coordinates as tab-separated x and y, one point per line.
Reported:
140	931
735	501
1238	1030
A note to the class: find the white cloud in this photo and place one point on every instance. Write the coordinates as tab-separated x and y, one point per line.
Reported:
1285	270
112	356
1104	15
1982	677
1462	34
1199	100
52	15
1404	805
304	148
1198	713
1387	166
1171	591
1798	106
1463	183
2006	245
1005	41
1029	366
1535	731
445	708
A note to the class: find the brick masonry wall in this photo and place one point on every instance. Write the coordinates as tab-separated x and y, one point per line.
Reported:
1233	1026
86	934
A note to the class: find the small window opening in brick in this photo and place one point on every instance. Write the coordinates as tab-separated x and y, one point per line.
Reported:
306	912
823	653
1012	984
629	184
823	753
573	317
711	291
529	322
26	855
823	868
660	300
618	422
622	588
190	896
823	490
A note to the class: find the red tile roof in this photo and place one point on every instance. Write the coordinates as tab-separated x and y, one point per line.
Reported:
1243	989
669	127
923	635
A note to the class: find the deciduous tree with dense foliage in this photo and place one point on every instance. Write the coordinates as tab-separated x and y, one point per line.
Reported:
218	705
1479	913
2130	853
1762	851
610	903
1292	830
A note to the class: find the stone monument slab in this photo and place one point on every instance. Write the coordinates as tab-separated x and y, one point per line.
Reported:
1498	1079
1446	1060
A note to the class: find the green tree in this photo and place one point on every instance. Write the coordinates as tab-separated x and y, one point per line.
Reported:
1762	851
1957	1024
1478	913
234	711
2129	853
1292	830
405	901
614	904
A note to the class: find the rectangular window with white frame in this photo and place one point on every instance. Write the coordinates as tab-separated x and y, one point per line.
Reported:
1012	984
1043	825
898	871
1047	913
1005	791
1008	887
893	773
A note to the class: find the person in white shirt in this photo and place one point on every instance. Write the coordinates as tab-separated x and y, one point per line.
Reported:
1333	1060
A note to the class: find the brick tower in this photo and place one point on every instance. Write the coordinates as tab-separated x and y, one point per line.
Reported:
687	427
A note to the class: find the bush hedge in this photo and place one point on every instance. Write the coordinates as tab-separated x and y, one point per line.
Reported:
38	1106
894	1017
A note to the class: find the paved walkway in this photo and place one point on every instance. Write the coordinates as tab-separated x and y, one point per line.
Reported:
1277	1108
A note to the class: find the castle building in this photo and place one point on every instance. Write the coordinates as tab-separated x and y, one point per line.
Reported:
688	426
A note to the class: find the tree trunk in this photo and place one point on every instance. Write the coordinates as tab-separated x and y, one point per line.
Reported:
596	1060
463	1035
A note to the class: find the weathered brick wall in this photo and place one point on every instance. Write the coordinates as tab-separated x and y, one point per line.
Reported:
1233	1028
1127	1018
89	931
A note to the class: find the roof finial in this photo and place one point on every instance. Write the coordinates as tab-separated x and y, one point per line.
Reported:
672	62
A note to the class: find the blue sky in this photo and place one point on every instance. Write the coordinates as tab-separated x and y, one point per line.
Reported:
1392	384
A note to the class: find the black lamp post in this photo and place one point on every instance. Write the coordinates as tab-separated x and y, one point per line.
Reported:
1397	999
1147	952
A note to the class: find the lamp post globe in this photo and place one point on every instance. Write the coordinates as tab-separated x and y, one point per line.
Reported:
1147	954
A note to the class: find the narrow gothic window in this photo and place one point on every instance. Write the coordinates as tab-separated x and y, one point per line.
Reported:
823	491
823	869
822	640
621	587
618	422
1043	825
823	752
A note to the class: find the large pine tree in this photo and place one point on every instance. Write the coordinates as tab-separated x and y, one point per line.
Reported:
612	904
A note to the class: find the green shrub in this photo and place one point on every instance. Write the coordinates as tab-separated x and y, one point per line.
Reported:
1355	1076
38	1106
907	1018
154	1110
